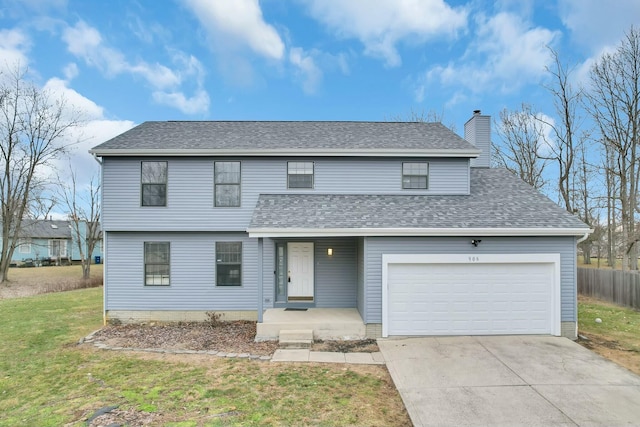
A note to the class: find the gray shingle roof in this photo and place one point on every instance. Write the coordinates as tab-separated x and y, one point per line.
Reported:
46	229
498	199
246	135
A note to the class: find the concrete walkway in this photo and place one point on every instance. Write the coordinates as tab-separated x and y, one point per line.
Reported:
305	355
510	381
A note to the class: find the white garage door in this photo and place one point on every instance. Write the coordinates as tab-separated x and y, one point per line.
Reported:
474	296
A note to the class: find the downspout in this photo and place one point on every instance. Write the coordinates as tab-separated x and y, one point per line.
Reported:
104	247
583	238
580	240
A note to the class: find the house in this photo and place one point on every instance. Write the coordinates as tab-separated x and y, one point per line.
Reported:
402	226
45	242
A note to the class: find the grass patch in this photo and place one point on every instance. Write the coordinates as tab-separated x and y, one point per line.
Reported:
40	280
617	337
47	380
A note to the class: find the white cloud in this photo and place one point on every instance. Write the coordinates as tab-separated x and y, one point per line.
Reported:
596	24
507	53
14	45
381	24
192	105
59	89
238	23
86	42
94	129
308	70
70	71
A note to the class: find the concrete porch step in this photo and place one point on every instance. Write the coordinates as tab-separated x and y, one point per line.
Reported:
295	338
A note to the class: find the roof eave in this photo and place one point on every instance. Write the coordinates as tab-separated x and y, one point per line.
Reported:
442	152
432	232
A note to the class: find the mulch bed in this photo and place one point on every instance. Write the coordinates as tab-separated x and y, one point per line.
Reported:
229	337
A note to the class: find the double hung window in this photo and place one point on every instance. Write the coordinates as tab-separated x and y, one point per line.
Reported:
156	263
226	184
154	183
228	263
300	174
415	175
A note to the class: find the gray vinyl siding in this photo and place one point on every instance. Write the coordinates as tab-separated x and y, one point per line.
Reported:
190	203
360	291
377	246
192	274
477	131
268	273
335	276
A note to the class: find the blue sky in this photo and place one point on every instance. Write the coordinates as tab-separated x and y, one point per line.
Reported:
126	62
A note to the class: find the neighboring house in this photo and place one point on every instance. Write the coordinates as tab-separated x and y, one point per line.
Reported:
403	222
51	241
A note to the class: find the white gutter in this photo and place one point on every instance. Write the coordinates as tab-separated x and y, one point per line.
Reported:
583	238
95	157
379	232
330	152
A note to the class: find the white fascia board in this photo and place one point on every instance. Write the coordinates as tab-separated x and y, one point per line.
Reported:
380	232
391	152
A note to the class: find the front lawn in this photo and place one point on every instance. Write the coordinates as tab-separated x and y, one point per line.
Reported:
616	337
46	379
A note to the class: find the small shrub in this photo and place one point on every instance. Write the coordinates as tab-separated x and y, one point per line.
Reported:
214	319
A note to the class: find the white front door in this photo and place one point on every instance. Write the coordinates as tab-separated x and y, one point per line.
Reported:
300	272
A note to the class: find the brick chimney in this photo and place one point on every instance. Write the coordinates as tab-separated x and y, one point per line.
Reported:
477	131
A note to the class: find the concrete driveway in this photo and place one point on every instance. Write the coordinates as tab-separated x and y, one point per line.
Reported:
510	381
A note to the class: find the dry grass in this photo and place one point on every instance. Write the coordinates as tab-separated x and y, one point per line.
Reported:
49	380
41	280
616	336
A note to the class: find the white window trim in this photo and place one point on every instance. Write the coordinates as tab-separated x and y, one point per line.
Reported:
22	244
313	175
63	247
403	175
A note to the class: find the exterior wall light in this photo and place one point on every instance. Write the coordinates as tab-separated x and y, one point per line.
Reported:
475	242
330	251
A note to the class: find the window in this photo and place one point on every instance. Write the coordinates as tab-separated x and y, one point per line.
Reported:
156	263
415	176
300	174
227	184
228	263
154	183
57	248
24	246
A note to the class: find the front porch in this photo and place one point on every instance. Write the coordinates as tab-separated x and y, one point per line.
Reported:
326	323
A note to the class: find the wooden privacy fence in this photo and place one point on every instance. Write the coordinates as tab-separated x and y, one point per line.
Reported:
616	286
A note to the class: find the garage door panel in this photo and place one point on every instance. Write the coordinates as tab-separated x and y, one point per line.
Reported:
455	299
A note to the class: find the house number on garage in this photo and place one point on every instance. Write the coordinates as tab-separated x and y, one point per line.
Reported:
474	259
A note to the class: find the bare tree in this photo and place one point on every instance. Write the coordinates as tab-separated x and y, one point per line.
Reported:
584	203
84	214
415	116
567	141
614	104
32	130
522	139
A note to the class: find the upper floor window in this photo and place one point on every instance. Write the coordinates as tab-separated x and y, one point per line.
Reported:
154	183
228	263
300	174
415	175
156	263
226	183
